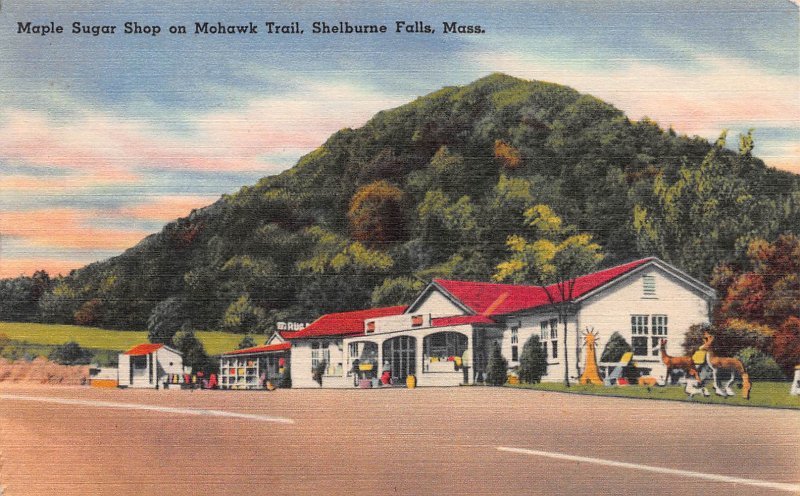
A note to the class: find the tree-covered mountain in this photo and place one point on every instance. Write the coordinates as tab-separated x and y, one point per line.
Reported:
431	189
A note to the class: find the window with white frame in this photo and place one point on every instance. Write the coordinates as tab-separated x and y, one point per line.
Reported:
646	331
515	344
544	335
554	338
320	351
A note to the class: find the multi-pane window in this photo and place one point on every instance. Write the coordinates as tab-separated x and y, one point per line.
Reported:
549	332
645	338
515	343
649	286
320	351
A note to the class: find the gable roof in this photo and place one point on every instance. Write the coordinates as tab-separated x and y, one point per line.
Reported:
344	323
488	299
144	349
260	349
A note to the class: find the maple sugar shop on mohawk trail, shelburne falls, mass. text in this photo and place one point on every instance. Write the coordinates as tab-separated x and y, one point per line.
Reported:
251	28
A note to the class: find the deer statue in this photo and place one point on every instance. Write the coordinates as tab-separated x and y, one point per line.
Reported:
685	363
717	364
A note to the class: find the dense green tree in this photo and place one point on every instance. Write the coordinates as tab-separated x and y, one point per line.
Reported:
497	368
242	316
70	353
193	352
532	361
552	256
165	320
396	291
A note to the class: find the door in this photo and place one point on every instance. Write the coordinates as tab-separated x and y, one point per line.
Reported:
400	353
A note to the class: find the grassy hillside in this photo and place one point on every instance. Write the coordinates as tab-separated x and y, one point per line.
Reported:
103	339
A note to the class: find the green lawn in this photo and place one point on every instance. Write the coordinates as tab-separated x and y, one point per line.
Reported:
764	394
104	339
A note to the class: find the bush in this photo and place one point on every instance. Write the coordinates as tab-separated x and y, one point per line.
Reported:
286	378
193	351
760	366
247	342
70	354
319	371
615	348
498	368
533	361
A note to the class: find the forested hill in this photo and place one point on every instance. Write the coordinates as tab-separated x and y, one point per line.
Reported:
433	189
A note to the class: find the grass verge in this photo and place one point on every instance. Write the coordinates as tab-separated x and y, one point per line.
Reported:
763	394
105	339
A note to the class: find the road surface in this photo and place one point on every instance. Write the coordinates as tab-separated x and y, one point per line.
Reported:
468	440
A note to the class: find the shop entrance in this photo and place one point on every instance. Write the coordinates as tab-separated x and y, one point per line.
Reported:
400	353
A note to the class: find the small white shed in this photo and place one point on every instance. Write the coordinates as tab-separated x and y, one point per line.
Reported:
149	365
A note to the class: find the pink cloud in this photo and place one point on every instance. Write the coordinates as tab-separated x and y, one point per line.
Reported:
110	146
14	267
165	208
65	228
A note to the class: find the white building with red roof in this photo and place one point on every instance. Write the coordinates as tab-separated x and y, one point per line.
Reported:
445	336
149	365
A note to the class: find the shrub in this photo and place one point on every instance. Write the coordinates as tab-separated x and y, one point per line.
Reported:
615	348
70	353
319	371
498	368
533	361
759	365
247	342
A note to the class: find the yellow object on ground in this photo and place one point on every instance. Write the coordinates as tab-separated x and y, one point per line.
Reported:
591	374
104	383
457	360
512	379
411	382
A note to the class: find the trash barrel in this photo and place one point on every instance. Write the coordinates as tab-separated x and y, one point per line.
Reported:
411	382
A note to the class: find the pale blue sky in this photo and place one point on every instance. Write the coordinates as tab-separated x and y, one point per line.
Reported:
116	134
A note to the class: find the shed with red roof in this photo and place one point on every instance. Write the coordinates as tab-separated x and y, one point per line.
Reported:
149	365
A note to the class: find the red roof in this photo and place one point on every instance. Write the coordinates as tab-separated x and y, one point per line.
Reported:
497	299
461	319
144	349
261	349
345	323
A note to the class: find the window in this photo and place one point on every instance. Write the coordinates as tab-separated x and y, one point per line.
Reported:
549	332
515	344
644	338
320	351
649	286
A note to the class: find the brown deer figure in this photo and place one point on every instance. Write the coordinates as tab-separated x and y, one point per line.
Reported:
685	363
718	363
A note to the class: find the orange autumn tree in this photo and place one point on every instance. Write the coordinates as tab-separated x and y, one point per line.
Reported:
767	296
510	156
376	214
